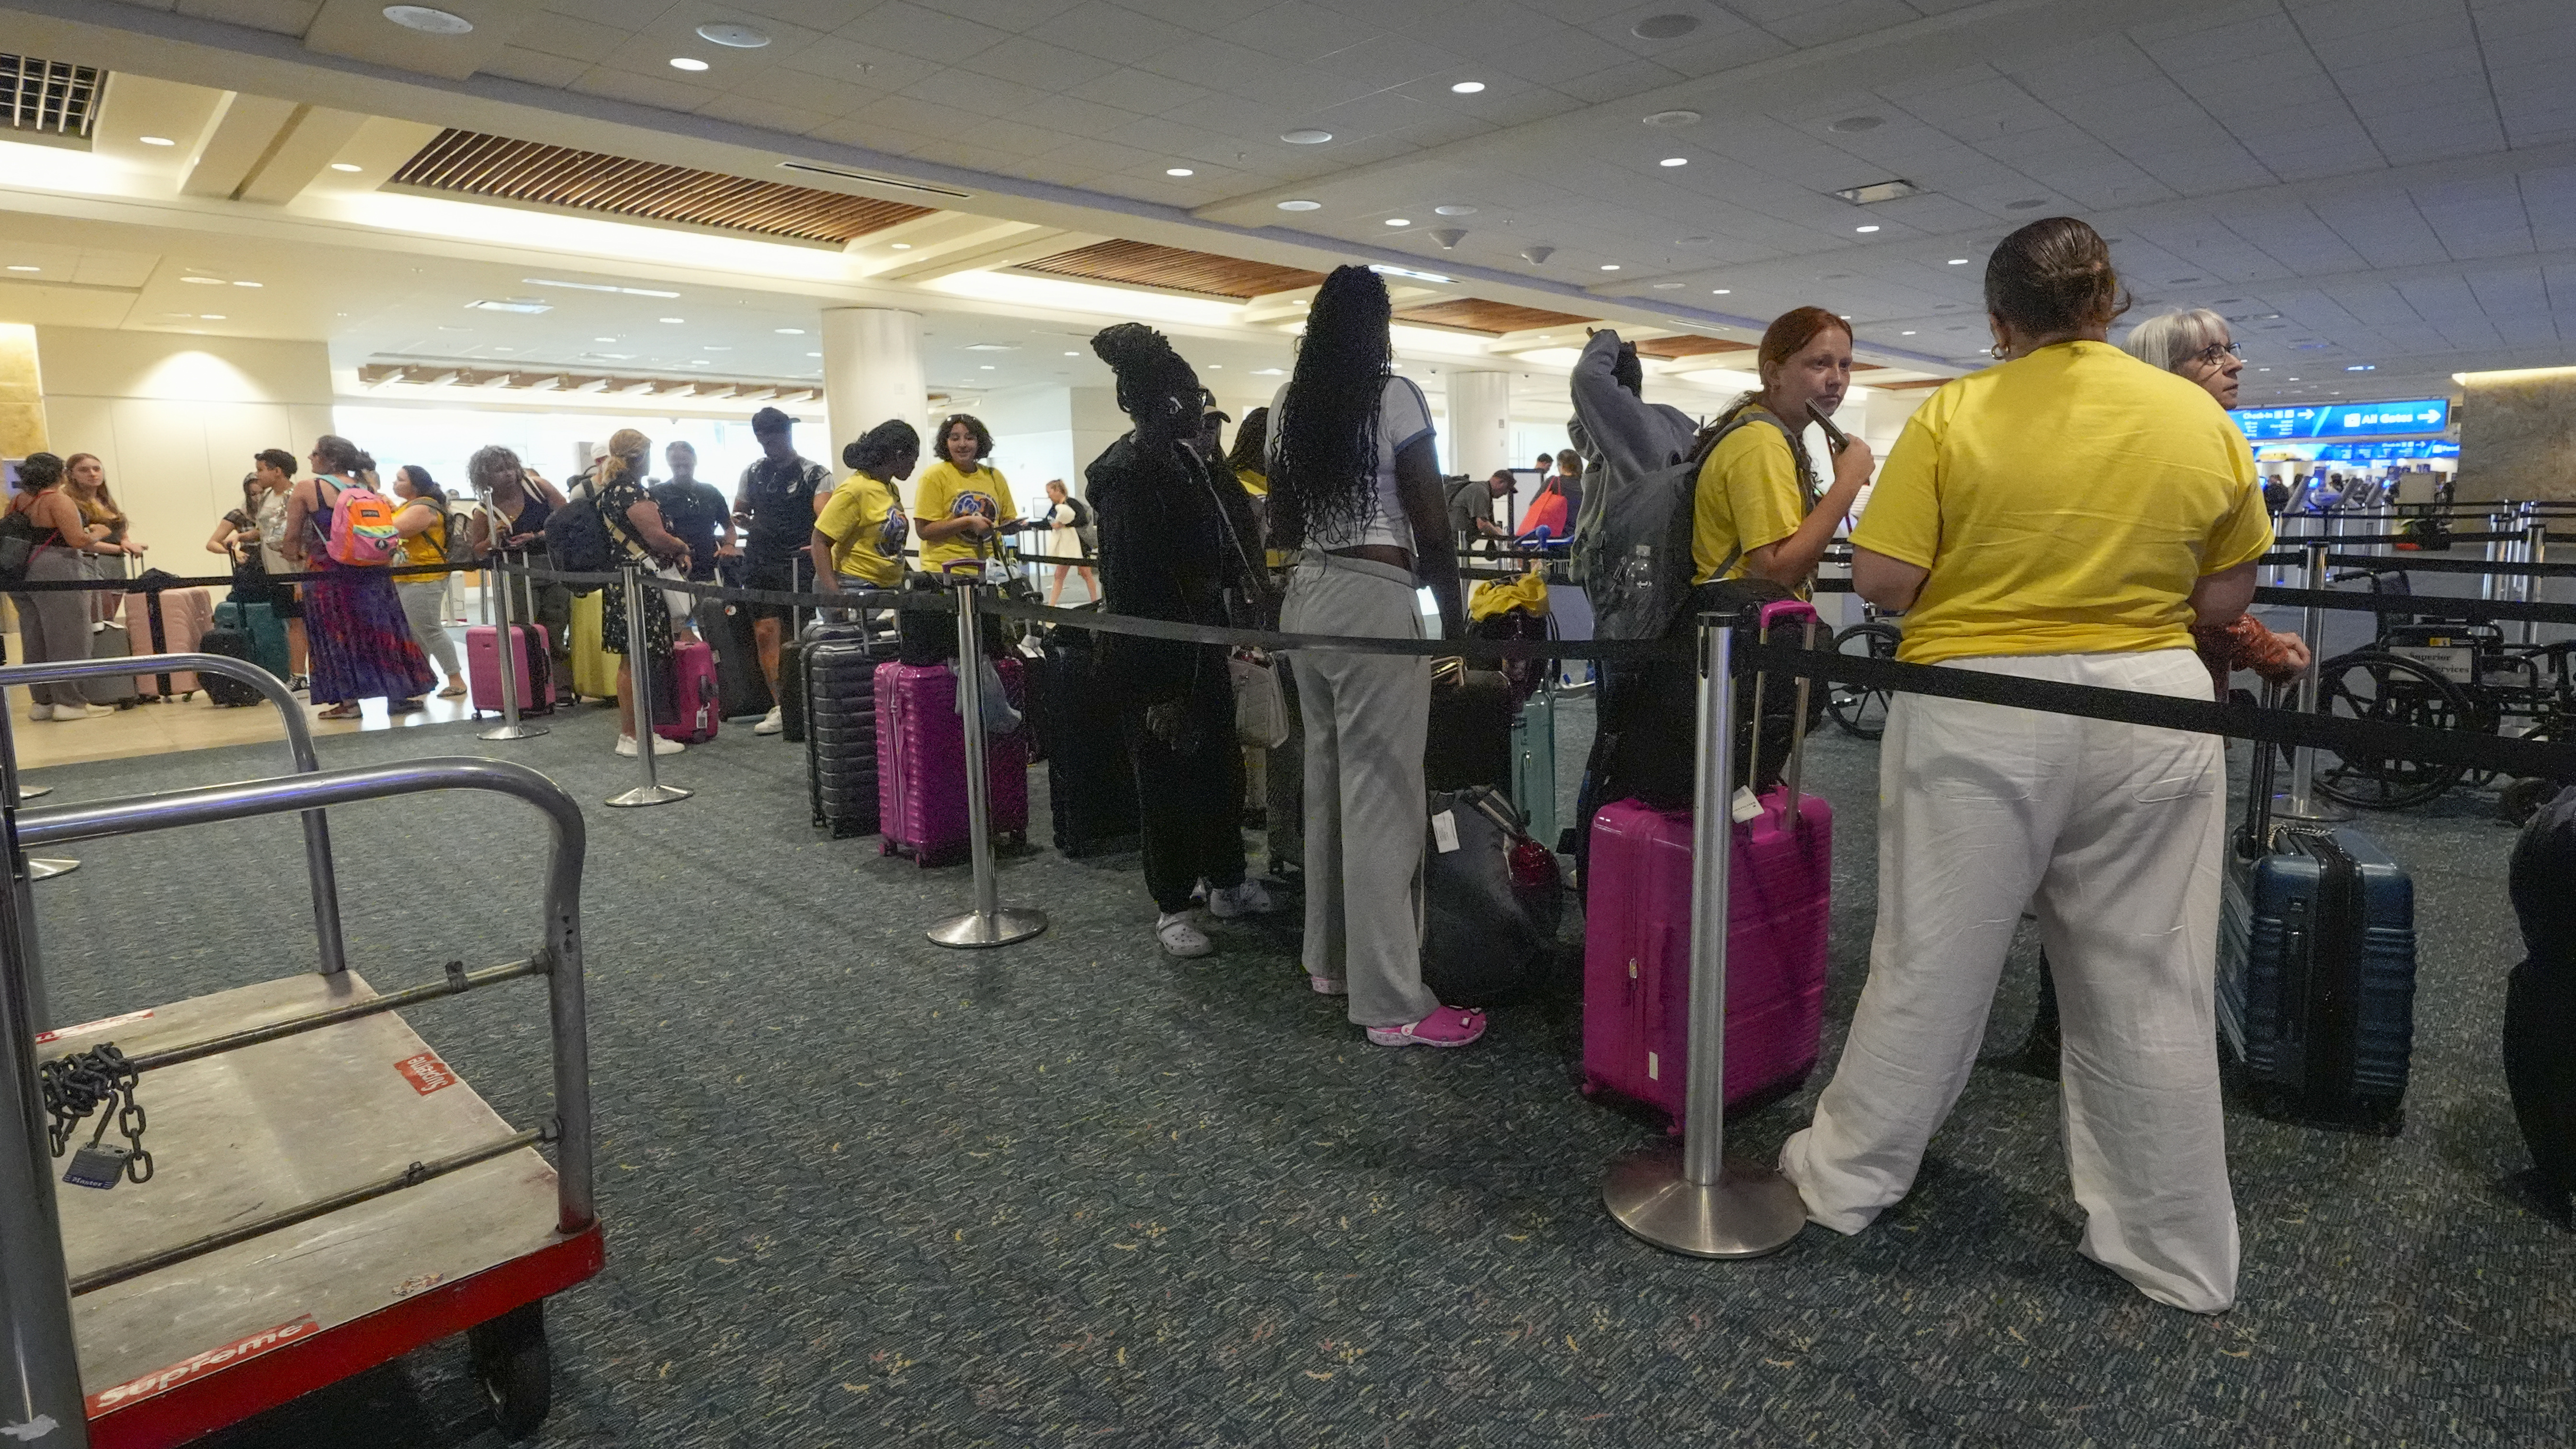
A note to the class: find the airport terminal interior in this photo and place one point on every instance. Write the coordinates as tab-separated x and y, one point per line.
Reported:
770	1120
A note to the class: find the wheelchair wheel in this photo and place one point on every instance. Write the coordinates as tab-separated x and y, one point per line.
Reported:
1862	712
2366	684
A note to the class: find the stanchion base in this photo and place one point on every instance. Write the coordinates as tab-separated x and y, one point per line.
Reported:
975	930
648	795
1748	1212
30	792
48	869
2320	811
512	732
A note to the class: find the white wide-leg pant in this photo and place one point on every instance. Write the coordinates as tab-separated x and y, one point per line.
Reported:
2112	833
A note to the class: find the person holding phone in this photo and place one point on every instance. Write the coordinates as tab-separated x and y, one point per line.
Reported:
962	501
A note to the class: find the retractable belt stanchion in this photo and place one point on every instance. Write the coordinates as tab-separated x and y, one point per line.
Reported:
2302	803
40	869
2535	550
2497	551
1697	1202
991	923
639	671
507	655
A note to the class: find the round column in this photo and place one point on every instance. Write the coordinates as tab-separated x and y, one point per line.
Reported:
1480	423
871	372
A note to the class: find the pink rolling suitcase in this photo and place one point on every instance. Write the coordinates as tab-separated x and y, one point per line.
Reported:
1636	944
536	681
690	711
175	620
921	763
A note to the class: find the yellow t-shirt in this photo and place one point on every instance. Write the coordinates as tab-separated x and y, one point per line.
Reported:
1256	484
867	528
1748	495
429	546
945	493
2065	503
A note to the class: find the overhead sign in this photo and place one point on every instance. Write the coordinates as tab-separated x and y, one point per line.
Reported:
2345	420
2386	452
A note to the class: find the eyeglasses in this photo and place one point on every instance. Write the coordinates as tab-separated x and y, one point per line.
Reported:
2217	353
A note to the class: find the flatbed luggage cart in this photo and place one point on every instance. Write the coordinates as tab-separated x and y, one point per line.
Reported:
327	1195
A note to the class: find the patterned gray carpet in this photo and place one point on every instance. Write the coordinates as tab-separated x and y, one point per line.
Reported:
861	1191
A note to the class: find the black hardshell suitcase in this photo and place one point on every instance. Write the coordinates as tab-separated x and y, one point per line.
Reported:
837	679
741	689
1091	782
1469	739
2316	970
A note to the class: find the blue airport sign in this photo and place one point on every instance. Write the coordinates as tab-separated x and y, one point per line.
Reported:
2345	420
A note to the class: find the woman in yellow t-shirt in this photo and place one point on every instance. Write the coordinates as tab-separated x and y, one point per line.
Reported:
422	521
961	499
858	542
2068	516
1250	460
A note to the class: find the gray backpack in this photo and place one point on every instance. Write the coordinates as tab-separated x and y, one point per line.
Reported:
1636	561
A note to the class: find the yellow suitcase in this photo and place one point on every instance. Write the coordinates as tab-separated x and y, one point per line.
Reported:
594	674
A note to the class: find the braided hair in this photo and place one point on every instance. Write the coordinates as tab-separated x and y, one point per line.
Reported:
1252	443
1155	387
875	450
1328	428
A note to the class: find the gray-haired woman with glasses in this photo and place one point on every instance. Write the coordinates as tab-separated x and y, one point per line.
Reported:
2194	343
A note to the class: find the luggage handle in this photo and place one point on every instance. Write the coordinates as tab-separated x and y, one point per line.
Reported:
1793	776
2258	785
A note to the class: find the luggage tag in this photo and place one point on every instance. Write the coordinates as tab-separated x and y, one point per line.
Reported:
97	1164
1444	831
1745	808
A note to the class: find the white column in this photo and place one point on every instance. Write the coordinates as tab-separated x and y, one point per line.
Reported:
871	372
1480	423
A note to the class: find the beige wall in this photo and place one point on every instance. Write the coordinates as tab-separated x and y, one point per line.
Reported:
176	419
2518	437
22	402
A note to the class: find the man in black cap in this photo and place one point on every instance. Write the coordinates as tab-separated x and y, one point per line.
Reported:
777	502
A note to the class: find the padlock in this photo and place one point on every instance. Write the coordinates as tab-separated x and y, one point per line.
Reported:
97	1164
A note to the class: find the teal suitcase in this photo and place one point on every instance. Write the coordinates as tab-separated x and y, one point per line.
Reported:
261	626
1534	762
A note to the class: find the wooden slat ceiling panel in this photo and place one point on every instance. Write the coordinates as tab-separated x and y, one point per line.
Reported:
1143	264
1474	314
1674	348
496	166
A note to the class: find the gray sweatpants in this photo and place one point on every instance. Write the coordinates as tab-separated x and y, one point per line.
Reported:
1364	716
54	626
423	601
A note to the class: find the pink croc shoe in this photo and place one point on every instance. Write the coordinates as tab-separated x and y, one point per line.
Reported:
1450	1026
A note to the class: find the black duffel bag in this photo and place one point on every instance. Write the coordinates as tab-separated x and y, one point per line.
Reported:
1492	899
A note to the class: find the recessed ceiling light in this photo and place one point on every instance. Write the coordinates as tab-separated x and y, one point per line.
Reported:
156	141
2027	203
687	62
428	19
813	354
1846	316
1864	230
1664	27
1399	221
250	284
1854	125
1073	354
903	246
1906	333
1958	261
1301	205
675	319
203	281
1669	119
1178	171
1720	291
1455	210
16	268
986	366
1307	137
790	331
726	32
1609	266
218	317
592	287
346	166
1468	88
1268	372
603	339
1670	286
1674	161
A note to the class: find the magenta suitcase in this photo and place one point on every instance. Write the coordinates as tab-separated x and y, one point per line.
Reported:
689	713
921	763
1636	943
483	670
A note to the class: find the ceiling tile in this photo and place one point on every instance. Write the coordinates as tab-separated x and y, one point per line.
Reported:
1618	82
563	35
533	67
1140	92
1110	33
1039	64
285	17
768	115
916	30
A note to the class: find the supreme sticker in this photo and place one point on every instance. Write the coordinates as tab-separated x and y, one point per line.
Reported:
426	1073
211	1361
102	1024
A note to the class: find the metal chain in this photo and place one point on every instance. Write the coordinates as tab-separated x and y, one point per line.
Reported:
83	1082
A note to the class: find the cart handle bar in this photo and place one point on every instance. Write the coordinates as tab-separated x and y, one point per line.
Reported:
412	1176
209	804
299	744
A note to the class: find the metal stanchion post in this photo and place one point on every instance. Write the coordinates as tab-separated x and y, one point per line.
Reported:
507	654
639	671
990	923
40	1387
2535	550
2497	551
45	869
2311	690
1696	1201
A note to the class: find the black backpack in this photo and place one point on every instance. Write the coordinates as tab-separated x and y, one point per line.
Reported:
577	536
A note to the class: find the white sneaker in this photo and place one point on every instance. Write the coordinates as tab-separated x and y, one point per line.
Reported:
40	711
82	711
1247	899
661	746
1182	939
772	722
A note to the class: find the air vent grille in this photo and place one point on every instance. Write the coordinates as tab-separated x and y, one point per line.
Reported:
495	166
50	97
1672	349
1474	314
1143	264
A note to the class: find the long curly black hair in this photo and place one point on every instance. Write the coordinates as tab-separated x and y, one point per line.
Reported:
1156	387
1328	436
1252	444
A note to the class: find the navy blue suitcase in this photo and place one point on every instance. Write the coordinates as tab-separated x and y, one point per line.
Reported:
2316	971
838	663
